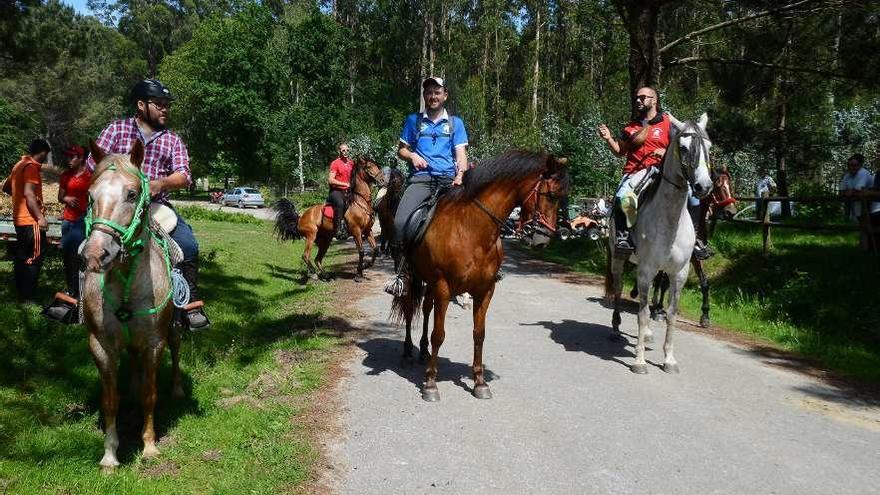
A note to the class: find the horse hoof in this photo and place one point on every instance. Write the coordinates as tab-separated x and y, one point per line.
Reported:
482	392
430	394
150	452
639	369
108	465
358	279
616	337
108	469
704	321
313	276
671	368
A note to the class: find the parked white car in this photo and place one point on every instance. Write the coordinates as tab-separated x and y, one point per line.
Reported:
243	197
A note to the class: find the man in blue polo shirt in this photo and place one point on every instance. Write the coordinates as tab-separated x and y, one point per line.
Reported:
435	146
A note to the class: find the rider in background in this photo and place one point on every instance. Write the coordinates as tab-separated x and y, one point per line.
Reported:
166	165
340	181
643	141
434	144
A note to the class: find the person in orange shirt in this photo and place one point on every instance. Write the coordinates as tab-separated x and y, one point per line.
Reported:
26	187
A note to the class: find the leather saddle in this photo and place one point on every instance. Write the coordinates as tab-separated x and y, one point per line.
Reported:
420	219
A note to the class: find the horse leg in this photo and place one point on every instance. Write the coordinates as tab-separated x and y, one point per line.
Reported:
616	272
307	256
670	365
359	243
106	360
407	358
704	288
644	318
374	249
481	307
176	377
427	307
151	359
441	303
323	246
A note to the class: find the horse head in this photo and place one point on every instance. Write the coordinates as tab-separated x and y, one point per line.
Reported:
690	151
543	202
119	200
371	171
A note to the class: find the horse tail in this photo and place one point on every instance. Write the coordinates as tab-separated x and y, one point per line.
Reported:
408	307
286	221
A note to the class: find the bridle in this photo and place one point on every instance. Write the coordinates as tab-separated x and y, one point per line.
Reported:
699	138
376	178
539	218
125	235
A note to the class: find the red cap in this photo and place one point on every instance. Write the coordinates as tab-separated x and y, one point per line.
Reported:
75	150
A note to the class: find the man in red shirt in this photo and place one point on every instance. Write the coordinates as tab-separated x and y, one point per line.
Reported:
26	187
340	181
643	141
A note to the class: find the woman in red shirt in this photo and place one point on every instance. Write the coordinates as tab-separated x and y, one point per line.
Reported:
73	193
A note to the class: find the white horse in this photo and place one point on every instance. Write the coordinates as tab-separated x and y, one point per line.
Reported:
664	234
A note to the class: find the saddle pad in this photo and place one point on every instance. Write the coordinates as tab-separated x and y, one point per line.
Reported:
164	216
328	211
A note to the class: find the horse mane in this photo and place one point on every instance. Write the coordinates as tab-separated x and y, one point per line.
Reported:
510	166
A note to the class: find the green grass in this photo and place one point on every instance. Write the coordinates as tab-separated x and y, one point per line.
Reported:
239	429
814	294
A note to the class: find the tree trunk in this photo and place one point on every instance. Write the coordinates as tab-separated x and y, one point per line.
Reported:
424	61
640	20
536	74
299	159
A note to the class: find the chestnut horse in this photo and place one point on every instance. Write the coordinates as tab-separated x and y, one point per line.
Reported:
318	229
127	291
461	251
387	207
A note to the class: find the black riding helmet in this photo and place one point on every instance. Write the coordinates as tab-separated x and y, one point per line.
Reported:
150	88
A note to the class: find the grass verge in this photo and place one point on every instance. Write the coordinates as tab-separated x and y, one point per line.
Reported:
248	381
814	294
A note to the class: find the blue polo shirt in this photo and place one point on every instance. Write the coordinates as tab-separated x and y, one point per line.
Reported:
434	142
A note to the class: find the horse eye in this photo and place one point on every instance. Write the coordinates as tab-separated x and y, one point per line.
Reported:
132	196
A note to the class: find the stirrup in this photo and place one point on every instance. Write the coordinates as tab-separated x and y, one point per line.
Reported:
623	245
397	286
702	252
499	275
193	314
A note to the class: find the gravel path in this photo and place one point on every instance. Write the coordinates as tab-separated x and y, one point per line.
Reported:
568	416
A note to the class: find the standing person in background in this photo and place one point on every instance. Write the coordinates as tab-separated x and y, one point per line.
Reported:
73	193
855	183
766	186
26	187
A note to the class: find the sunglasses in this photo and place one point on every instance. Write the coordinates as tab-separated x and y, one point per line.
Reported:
644	97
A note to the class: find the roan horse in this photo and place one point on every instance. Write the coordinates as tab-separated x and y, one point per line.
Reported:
318	229
127	291
665	235
461	251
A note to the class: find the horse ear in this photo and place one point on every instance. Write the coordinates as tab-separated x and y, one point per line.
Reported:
561	161
677	123
702	121
137	153
96	151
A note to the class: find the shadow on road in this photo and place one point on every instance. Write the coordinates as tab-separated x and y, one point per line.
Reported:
590	338
384	354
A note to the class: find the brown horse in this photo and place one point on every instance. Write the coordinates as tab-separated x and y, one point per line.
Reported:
387	207
126	291
461	251
317	228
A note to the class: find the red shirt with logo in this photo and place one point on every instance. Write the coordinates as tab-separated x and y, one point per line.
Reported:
76	185
343	168
658	137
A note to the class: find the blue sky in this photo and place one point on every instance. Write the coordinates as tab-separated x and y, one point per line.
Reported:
79	5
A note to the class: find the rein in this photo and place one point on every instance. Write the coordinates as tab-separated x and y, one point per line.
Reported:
691	164
537	216
133	247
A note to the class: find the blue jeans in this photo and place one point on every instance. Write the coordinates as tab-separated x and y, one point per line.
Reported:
73	232
184	237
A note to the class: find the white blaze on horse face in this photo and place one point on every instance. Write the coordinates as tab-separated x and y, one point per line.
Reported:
101	248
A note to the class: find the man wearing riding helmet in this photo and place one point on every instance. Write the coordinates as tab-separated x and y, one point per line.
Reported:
434	144
166	165
643	141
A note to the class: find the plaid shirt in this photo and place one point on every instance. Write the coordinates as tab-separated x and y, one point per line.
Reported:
164	153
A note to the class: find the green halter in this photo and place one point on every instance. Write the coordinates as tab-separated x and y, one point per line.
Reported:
133	247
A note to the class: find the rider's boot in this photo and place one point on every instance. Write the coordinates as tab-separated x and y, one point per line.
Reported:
701	248
623	242
193	313
398	286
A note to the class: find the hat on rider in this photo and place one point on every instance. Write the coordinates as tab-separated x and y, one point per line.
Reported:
75	150
438	81
150	88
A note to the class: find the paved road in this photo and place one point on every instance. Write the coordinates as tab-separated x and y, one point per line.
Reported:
261	213
568	416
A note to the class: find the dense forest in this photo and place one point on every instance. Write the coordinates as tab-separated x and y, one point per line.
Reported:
266	89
